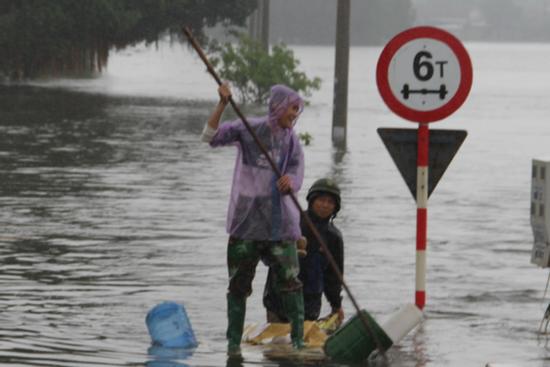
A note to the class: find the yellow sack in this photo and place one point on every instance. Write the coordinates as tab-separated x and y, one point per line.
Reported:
329	324
279	333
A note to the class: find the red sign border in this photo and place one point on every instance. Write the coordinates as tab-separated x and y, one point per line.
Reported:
394	45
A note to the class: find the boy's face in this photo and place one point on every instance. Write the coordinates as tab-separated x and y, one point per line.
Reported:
289	116
323	206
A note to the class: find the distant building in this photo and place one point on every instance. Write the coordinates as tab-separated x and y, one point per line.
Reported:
488	20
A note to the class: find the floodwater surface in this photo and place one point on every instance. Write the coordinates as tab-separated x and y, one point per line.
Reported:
110	205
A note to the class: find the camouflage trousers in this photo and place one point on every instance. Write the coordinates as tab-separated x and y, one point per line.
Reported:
243	257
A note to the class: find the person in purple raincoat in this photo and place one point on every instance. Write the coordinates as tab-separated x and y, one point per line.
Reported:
262	221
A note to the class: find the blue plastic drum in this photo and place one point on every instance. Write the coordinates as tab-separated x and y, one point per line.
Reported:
169	326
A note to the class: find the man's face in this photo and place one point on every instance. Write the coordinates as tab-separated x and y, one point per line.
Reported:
289	116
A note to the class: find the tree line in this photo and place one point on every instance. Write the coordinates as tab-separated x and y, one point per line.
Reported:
60	37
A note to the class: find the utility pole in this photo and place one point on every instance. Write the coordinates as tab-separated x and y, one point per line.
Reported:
341	71
253	24
258	24
265	25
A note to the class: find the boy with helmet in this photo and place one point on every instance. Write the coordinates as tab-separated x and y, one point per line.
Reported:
316	274
262	220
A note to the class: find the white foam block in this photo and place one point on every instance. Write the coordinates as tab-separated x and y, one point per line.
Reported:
401	323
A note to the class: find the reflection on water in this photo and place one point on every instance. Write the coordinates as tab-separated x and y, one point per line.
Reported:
168	357
91	190
110	205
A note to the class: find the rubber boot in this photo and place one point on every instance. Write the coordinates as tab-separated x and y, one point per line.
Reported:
293	304
236	310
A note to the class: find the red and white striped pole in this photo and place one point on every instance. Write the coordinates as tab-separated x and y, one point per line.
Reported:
421	212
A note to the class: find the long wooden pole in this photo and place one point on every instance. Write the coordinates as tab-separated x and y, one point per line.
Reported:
304	214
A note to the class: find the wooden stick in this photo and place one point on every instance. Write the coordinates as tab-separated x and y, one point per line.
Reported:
304	214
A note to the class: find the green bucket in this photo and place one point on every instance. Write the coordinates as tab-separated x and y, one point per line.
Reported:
352	341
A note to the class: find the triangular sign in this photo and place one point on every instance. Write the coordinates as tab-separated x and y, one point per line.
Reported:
402	145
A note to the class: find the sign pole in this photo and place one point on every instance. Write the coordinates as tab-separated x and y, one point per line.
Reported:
424	74
422	160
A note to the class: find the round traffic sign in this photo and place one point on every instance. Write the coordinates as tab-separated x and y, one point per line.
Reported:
424	74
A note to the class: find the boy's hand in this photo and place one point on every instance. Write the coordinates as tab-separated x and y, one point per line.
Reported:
340	313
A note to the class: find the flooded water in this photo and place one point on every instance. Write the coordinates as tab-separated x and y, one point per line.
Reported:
110	205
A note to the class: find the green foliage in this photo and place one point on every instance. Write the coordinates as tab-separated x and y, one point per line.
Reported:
58	36
253	71
306	138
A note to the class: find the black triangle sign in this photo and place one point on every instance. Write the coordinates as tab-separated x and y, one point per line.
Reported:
402	145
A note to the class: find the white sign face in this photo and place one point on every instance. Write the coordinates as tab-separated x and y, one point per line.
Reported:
424	74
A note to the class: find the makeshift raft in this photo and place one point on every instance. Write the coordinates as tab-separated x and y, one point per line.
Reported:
350	342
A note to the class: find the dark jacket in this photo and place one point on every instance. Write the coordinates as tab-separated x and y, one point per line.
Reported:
316	274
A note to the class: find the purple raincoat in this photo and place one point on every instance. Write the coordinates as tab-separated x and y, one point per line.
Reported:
257	210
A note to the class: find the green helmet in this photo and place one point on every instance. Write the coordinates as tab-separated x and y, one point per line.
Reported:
325	186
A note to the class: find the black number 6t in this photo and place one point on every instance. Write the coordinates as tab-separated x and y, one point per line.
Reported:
423	69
